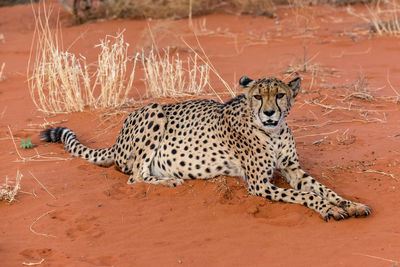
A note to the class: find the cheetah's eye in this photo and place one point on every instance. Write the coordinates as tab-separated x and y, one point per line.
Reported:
258	97
280	95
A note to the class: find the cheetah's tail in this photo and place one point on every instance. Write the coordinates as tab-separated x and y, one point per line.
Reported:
102	157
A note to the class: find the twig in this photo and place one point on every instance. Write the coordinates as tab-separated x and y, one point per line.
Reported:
331	107
329	122
320	141
381	172
3	112
209	63
33	263
391	86
310	135
108	185
37	157
9	192
46	123
359	95
35	221
344	53
15	145
376	257
42	185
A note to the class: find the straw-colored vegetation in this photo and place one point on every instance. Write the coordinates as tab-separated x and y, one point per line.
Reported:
178	9
10	189
172	9
170	76
113	77
384	17
61	82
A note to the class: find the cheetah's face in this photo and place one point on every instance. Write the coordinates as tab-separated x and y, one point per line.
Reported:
270	99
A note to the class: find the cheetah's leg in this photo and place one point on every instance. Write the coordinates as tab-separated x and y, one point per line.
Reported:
308	199
300	180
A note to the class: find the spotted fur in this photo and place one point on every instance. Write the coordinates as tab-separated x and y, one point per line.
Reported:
246	137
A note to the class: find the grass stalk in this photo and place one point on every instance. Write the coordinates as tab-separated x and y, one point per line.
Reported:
170	76
10	189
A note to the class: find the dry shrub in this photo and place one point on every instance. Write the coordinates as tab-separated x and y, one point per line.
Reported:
341	2
384	17
9	190
60	81
253	7
169	76
112	74
152	8
359	89
177	9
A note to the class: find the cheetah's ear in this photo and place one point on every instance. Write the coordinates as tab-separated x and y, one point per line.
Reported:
295	86
245	82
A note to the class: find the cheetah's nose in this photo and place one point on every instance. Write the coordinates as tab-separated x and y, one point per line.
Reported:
269	112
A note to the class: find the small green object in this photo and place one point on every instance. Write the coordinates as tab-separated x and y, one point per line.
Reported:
26	143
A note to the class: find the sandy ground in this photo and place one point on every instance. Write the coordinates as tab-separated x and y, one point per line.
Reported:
91	217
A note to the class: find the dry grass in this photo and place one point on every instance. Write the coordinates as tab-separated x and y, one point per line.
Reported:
177	9
382	17
254	7
169	76
346	138
358	90
151	9
206	60
60	81
36	157
112	76
10	189
304	64
381	172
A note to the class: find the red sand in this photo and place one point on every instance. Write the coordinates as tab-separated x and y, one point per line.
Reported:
97	219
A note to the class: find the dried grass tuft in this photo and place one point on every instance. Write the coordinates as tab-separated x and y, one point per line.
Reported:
112	73
61	82
10	189
170	76
359	89
384	17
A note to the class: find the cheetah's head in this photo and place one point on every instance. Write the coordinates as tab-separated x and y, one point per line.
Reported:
270	100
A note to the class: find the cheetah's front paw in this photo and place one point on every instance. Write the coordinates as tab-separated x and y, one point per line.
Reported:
334	211
355	209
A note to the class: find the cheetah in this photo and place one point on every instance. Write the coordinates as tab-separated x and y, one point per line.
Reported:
246	137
